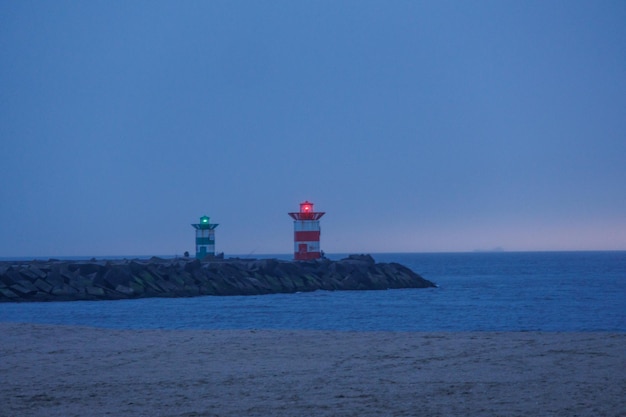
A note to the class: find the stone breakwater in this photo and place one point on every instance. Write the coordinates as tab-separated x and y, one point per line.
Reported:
56	280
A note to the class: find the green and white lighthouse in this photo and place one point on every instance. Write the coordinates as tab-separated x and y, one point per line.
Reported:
205	237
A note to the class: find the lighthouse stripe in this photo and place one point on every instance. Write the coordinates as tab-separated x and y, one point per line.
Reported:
204	241
310	246
306	226
306	256
307	236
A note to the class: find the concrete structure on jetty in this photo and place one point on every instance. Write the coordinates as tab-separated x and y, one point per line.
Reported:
306	233
205	237
56	280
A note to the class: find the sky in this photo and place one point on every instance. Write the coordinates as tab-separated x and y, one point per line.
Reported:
417	126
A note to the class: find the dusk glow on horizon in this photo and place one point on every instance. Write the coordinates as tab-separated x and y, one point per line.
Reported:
415	126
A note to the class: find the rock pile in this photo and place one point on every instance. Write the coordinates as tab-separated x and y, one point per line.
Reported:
55	280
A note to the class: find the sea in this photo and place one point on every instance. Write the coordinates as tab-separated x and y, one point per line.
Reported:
476	291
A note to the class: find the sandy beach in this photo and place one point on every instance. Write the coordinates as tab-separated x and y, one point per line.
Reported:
66	371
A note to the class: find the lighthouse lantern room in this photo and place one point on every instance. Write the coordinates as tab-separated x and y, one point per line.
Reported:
306	232
205	237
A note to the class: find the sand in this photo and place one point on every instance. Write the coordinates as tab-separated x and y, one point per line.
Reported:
78	371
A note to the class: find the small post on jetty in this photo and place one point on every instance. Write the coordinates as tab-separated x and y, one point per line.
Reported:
306	233
205	237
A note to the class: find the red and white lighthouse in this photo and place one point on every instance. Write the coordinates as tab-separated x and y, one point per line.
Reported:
306	233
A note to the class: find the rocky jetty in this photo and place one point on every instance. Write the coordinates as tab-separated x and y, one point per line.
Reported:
56	280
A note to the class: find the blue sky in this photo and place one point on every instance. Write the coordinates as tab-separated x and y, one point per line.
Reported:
416	126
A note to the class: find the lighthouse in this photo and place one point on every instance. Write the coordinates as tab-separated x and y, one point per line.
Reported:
306	232
205	237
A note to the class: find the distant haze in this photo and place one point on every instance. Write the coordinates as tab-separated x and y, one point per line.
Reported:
416	126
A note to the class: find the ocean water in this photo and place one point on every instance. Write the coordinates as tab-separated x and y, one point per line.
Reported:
500	291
